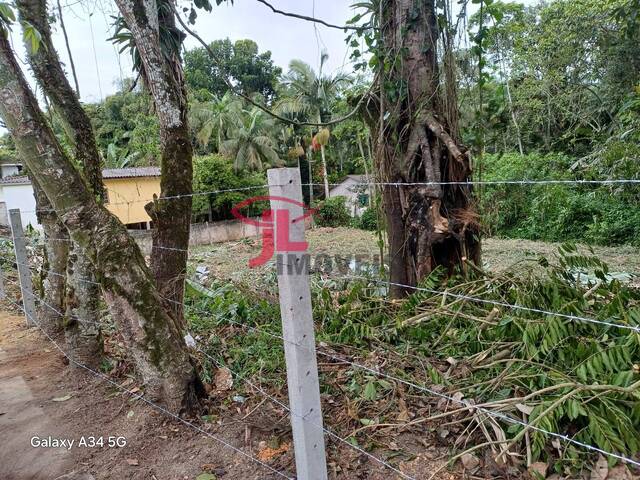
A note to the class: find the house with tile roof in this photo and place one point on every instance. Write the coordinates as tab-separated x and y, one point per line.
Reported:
128	191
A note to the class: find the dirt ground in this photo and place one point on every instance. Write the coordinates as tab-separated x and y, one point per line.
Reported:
42	397
230	260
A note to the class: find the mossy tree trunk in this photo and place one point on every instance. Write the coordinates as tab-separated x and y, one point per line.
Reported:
162	74
151	336
83	294
56	253
428	225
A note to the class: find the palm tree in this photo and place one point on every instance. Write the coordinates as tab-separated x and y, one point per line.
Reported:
250	144
213	118
311	95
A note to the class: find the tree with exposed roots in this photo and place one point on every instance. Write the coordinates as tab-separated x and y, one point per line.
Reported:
433	224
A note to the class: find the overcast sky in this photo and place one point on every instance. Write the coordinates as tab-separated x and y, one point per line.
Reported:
100	68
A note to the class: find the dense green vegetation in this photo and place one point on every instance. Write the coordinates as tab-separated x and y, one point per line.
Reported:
561	85
595	214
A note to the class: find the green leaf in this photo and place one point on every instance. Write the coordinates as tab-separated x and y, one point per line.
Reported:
369	391
206	476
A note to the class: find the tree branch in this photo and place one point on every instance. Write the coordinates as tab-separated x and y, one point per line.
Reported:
311	19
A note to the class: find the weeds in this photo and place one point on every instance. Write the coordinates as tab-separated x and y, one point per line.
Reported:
561	375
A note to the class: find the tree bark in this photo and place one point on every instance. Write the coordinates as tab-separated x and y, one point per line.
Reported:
325	174
81	325
56	252
154	342
305	174
172	218
47	69
428	225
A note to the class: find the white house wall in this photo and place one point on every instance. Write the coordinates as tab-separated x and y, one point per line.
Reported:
21	197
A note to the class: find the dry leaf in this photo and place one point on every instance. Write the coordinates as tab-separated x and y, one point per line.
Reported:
538	470
600	469
223	379
269	453
132	461
470	461
524	408
619	472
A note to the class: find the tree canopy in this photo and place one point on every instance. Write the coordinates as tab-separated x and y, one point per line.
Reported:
241	62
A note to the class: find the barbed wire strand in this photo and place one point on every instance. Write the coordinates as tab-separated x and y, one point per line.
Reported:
575	318
155	406
52	308
498	303
618	181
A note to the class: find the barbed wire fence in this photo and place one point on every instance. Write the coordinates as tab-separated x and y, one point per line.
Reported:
298	341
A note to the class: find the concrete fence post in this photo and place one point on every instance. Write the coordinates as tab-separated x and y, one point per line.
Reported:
3	293
24	272
297	323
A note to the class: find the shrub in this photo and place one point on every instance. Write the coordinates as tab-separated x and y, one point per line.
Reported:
369	220
333	213
214	172
596	214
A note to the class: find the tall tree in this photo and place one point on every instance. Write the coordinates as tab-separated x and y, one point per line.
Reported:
161	70
151	336
82	297
253	72
249	145
213	118
428	225
312	95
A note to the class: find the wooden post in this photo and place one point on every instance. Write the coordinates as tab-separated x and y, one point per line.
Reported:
24	273
297	324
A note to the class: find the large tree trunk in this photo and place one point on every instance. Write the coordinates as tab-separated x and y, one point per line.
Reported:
428	225
151	336
81	326
172	217
56	252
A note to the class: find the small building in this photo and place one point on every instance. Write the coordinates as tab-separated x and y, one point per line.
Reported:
128	191
16	192
356	190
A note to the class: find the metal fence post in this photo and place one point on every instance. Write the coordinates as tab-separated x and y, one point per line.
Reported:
297	324
24	273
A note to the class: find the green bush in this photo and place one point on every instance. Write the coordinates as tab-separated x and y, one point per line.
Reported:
333	212
369	220
214	172
594	214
